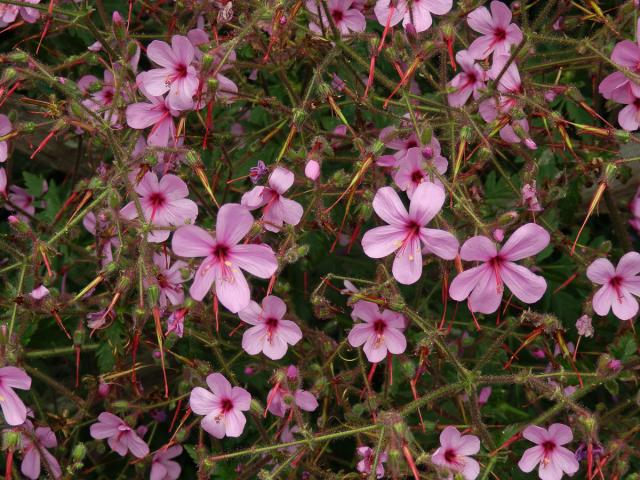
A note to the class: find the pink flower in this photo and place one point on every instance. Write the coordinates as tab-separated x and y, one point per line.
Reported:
277	209
406	232
380	333
162	467
226	89
39	292
9	13
453	453
34	447
368	457
23	201
619	285
102	100
270	332
5	129
169	279
175	322
469	81
629	116
554	459
176	75
498	33
390	137
106	241
163	203
157	112
484	284
584	326
223	408
312	170
345	18
617	86
13	409
413	171
280	398
224	258
417	13
120	436
634	208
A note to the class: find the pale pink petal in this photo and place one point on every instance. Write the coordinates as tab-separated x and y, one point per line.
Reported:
241	398
479	249
203	279
354	20
501	14
306	400
192	241
30	466
143	115
471	469
407	266
173	187
137	446
440	243
426	202
395	341
233	292
154	81
253	339
289	331
257	259
252	314
565	460
182	48
523	283
602	300
219	385
382	241
389	207
359	334
421	17
526	241
53	464
394	319
438	7
275	347
374	350
624	305
162	54
480	20
256	197
486	296
118	445
626	54
15	377
382	10
531	458
366	311
213	425
549	471
158	471
292	211
464	283
467	445
281	180
162	132
629	117
234	422
629	265
201	401
233	223
601	271
560	433
535	434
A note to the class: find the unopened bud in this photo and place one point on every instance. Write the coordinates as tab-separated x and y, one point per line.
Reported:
153	295
298	116
79	452
10	440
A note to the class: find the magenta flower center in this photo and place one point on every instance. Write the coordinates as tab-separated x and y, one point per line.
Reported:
548	447
500	35
337	15
272	326
411	144
417	176
226	405
496	263
157	200
181	71
450	456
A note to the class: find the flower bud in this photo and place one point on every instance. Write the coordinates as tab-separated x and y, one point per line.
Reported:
9	74
10	440
312	170
207	61
153	295
17	57
79	452
298	116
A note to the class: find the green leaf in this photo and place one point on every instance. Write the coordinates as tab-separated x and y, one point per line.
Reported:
33	183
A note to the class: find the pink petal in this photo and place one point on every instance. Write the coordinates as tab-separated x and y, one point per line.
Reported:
158	471
275	347
535	434
241	398
253	339
143	115
463	284
173	187
459	97
439	7
365	311
628	117
524	284
382	10
560	433
374	350
15	377
624	306
252	314
281	180
256	197
601	271
479	249
549	471
480	20
306	400
487	294
292	211
626	54
234	422
13	409
162	54
54	466
602	300
213	425
407	266
501	14
354	20
440	243
359	334
118	445
219	385
629	265
526	241
471	469
395	341
257	259
163	132
201	401
394	319
203	279
426	202
531	458
388	206
233	223
182	48
30	466
382	241
233	292
192	241
289	331
565	460
449	437
137	446
421	17
467	445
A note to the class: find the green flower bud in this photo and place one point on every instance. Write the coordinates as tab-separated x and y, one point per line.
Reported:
299	116
153	295
79	452
17	57
10	440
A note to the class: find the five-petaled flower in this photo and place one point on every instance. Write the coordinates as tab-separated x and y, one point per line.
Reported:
619	285
406	231
368	457
345	17
380	333
162	467
163	203
277	209
554	459
287	392
411	12
120	436
169	279
453	453
498	33
221	405
35	445
224	258
484	284
270	333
